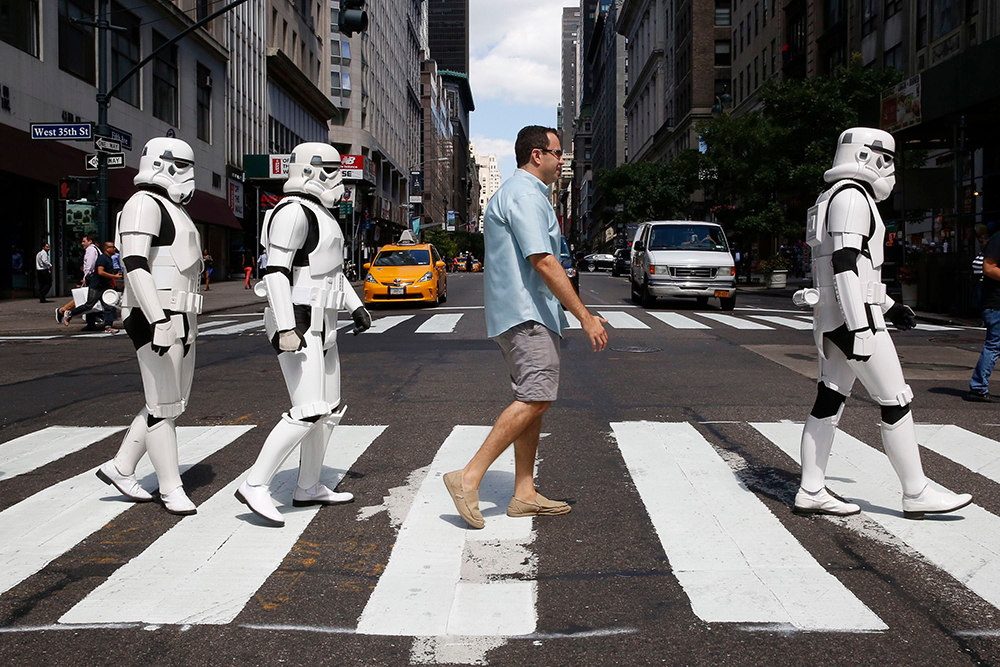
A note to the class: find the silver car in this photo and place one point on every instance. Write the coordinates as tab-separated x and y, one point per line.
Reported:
682	258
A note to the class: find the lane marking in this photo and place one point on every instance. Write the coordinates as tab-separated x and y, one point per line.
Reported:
218	323
678	321
620	320
735	561
438	324
976	452
41	528
574	323
934	327
422	593
784	321
735	322
234	329
207	567
40	448
383	324
965	544
30	337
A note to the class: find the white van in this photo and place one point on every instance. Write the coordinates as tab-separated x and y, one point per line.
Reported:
682	258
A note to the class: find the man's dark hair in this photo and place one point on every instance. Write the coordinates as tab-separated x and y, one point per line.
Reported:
90	237
530	138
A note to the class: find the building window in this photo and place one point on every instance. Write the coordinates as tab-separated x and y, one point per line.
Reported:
894	57
76	41
345	50
723	57
756	19
204	103
735	41
334	51
19	24
869	14
334	82
345	78
125	54
921	23
740	89
763	60
741	35
756	72
201	9
833	13
971	8
723	12
763	16
892	7
165	81
334	19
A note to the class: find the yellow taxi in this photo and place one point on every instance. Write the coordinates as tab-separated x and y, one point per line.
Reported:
406	271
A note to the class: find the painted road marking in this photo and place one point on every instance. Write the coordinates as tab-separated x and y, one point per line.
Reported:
620	320
41	528
573	322
965	544
207	567
233	329
784	321
422	592
731	555
734	322
40	448
678	321
214	323
383	324
437	324
976	452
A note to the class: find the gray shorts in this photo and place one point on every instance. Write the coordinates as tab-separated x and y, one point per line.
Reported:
531	352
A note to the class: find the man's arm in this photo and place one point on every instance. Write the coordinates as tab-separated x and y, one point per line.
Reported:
554	276
104	274
990	268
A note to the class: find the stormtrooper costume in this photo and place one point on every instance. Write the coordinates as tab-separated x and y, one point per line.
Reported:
305	287
161	252
847	235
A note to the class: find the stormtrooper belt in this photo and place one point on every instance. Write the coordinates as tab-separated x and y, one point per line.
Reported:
325	298
180	302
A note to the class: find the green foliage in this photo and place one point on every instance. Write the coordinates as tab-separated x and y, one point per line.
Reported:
763	169
648	190
442	241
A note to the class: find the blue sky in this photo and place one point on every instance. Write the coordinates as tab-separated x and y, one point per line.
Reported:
515	70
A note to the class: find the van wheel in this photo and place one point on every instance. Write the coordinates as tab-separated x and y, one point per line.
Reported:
728	303
648	300
636	296
702	301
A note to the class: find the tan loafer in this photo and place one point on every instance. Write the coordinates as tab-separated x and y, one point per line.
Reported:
466	502
541	507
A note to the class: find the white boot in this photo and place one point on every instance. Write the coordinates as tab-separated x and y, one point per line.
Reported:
279	444
258	499
161	445
933	501
127	484
177	502
319	494
814	448
822	502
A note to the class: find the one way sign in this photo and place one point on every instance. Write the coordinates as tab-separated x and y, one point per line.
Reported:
106	145
115	161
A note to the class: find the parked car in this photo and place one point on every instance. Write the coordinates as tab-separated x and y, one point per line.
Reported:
597	262
682	258
406	271
623	261
566	259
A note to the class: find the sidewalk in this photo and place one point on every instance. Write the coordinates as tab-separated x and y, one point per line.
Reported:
795	284
27	316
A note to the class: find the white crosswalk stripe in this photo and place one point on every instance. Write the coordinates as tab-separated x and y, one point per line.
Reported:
622	320
214	323
976	452
784	321
678	321
233	329
732	556
968	549
206	568
40	448
44	526
734	322
573	322
443	323
383	324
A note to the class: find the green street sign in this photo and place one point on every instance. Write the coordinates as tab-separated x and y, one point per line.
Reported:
346	208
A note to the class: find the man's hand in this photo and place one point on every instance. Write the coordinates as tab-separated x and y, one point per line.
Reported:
290	341
362	320
164	335
594	328
901	316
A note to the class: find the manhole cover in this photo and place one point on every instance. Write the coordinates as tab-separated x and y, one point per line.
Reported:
637	349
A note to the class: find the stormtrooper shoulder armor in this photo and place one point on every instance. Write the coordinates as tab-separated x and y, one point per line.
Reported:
849	212
288	227
143	214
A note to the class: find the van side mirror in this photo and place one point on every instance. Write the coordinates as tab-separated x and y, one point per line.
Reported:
638	246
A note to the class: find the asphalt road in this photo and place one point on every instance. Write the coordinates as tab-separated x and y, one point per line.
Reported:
674	446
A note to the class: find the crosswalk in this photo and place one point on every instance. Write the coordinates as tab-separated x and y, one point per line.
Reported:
736	559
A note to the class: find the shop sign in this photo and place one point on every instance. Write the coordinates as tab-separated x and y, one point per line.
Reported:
268	200
901	106
277	166
350	195
352	167
235	197
386	209
450	225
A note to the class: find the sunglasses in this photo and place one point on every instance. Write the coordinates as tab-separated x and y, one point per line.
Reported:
555	154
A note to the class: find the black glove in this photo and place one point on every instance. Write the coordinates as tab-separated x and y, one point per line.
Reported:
901	316
362	320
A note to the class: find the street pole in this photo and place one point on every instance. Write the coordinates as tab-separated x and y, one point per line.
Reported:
103	7
256	263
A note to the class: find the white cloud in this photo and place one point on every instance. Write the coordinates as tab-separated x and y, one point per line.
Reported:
516	50
500	147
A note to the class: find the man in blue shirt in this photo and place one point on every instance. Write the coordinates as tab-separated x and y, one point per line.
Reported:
524	287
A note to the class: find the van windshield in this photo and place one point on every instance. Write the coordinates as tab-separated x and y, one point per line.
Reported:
413	257
688	237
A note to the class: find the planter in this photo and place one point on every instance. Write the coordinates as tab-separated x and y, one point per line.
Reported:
910	295
778	280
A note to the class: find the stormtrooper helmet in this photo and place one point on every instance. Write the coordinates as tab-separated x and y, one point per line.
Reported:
865	154
168	163
314	169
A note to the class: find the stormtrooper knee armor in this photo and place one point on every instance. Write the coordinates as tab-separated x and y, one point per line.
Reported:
161	251
847	235
305	287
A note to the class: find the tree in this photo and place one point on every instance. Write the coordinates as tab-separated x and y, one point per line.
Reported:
763	169
443	241
648	190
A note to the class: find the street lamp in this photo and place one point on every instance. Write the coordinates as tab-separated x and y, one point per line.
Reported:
723	101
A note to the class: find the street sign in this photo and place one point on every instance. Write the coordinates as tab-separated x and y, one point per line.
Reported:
121	136
115	161
107	145
66	131
346	208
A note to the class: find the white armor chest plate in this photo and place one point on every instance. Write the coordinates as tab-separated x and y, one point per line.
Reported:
327	258
183	256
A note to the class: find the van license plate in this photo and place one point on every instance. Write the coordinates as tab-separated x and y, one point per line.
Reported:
721	292
402	290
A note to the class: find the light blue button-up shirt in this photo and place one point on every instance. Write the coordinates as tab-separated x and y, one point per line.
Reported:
519	222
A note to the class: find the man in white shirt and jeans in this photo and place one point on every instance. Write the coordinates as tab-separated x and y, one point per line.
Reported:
43	273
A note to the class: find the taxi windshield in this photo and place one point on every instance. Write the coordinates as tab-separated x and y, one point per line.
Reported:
687	237
413	257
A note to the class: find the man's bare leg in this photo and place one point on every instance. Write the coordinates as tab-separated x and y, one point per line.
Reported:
525	447
509	426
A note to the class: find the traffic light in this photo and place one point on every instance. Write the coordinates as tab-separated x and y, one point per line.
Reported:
77	188
353	17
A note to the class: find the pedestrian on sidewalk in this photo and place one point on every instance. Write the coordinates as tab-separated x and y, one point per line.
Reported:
105	277
247	268
979	385
43	273
262	261
90	256
524	286
206	267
